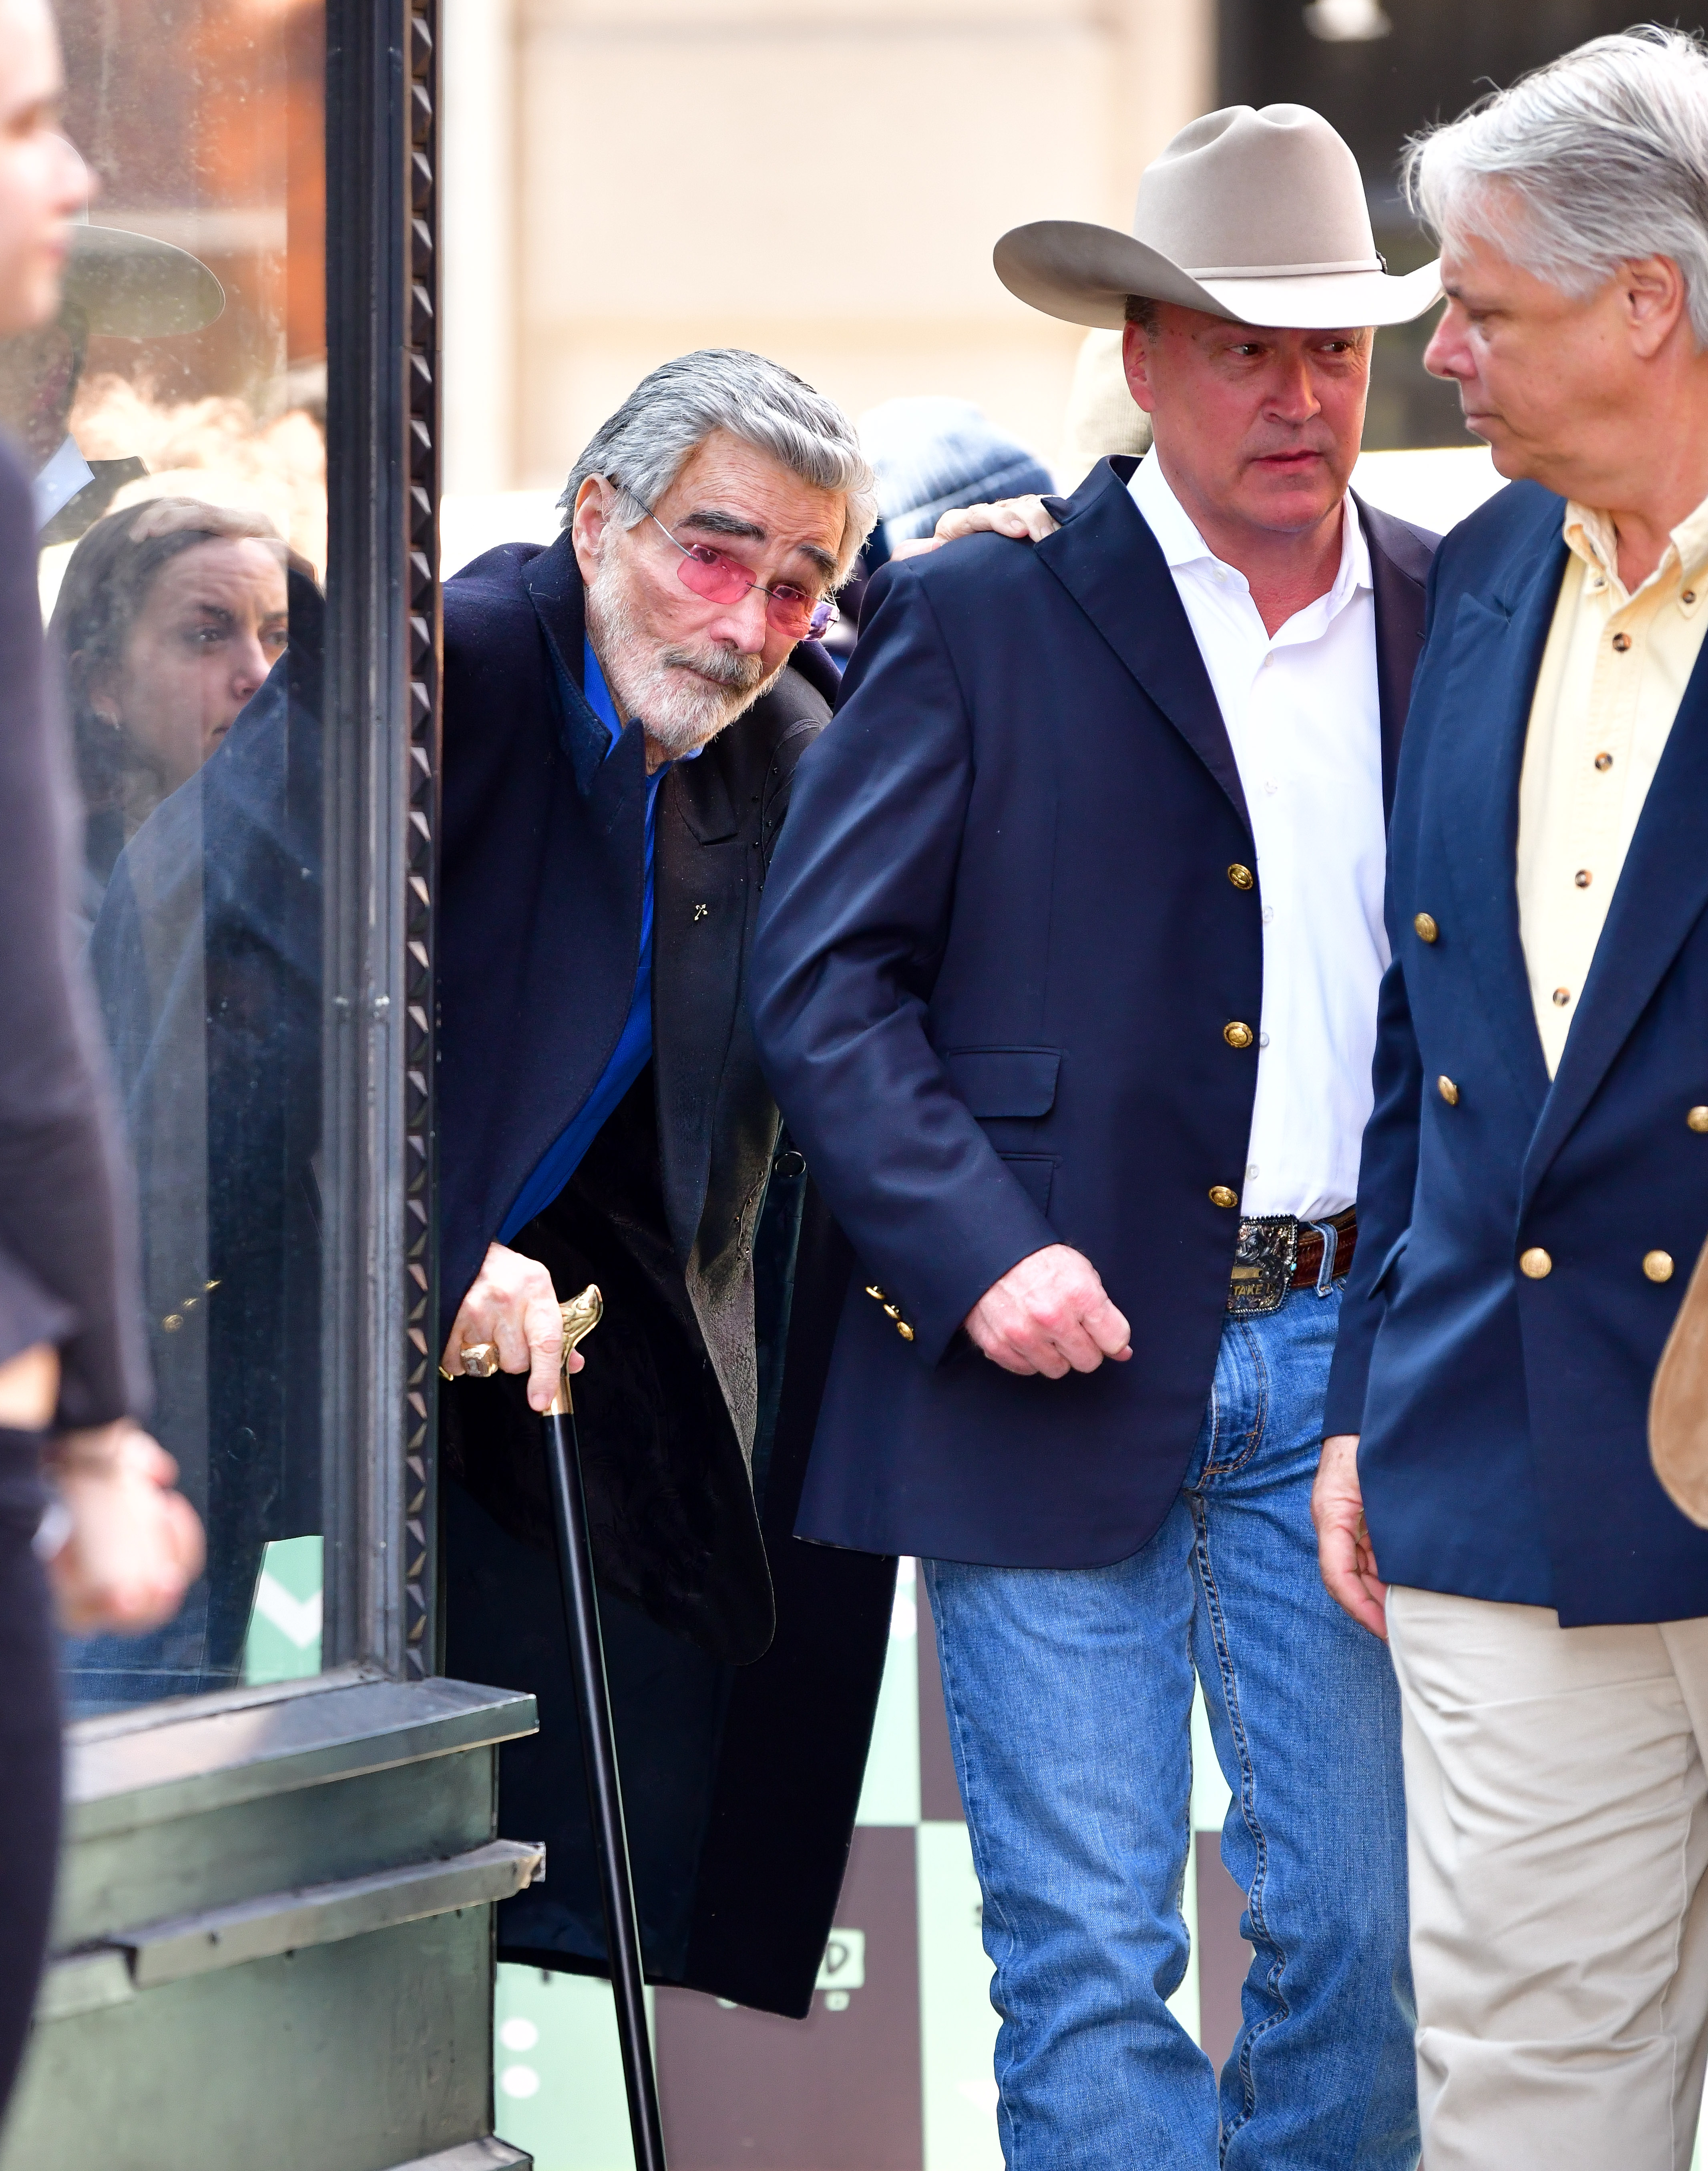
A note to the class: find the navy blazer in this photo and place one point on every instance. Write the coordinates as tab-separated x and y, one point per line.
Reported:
998	948
1504	1451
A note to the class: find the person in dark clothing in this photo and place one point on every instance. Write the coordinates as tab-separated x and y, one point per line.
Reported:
71	1374
624	712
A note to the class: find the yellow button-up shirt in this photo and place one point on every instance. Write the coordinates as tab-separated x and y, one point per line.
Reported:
1613	673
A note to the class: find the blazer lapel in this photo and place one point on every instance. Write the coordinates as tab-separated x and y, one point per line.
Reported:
1109	561
1494	647
1399	573
1662	890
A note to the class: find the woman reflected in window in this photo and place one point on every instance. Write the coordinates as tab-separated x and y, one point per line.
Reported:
170	617
206	950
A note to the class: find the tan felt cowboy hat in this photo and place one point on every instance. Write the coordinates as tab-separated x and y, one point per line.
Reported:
1258	216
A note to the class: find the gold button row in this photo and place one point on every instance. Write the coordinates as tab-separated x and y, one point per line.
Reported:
1537	1265
892	1311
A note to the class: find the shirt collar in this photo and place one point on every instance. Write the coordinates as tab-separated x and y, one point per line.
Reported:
597	693
1181	545
1591	536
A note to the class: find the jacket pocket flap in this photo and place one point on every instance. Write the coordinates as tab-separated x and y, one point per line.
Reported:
1004	1081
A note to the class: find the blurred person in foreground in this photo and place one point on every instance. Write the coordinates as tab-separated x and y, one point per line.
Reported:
1066	981
1535	1173
169	618
624	713
71	1370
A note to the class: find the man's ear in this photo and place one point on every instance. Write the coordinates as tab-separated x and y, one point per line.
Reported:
1654	297
596	505
1135	360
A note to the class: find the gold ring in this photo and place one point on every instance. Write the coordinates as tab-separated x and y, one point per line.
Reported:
479	1359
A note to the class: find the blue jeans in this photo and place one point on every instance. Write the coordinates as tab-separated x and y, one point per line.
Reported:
1069	1694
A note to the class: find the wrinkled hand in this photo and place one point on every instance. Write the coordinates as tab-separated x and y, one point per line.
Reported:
133	1547
1050	1314
511	1303
1027	519
1344	1552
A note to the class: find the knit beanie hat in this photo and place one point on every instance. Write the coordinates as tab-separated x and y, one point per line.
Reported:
932	454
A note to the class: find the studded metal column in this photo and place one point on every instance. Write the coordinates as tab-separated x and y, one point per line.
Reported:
422	403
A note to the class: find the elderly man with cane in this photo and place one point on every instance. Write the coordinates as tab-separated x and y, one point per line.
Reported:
1535	1174
1067	982
624	712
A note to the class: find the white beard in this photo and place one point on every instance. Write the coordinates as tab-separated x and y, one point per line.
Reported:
666	687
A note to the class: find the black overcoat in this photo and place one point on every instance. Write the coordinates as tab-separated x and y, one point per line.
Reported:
742	1750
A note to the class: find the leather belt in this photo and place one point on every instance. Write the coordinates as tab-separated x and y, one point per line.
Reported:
1276	1253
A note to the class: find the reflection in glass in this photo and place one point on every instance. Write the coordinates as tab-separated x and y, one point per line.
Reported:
173	418
168	619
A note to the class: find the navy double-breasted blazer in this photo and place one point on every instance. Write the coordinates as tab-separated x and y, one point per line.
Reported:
998	948
1505	1453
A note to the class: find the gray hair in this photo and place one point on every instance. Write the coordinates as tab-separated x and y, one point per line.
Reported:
642	447
1606	152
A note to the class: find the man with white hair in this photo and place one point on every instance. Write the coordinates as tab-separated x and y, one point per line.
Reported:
624	712
1535	1182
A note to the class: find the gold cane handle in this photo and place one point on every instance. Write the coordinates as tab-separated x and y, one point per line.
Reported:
579	1315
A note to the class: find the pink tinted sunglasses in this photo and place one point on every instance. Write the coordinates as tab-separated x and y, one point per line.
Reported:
720	579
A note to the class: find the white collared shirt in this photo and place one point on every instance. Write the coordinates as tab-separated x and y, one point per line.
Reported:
1304	721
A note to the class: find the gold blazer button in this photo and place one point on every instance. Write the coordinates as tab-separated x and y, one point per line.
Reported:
1237	1035
1426	928
1241	877
1697	1119
1658	1266
1221	1196
1535	1263
1448	1091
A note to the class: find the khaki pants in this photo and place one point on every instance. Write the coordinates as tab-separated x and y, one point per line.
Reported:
1558	1811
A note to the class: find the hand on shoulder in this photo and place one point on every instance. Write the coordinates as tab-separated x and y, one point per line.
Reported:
1026	519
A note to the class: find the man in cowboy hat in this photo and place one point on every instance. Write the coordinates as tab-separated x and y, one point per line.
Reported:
1066	981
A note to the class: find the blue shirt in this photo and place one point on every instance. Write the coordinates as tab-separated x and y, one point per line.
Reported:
633	1049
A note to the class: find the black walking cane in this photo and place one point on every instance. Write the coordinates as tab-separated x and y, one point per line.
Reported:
598	1747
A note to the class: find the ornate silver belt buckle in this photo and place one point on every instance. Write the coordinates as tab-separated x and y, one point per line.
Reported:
1264	1259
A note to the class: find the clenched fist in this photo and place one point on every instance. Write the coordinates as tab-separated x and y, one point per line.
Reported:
1050	1314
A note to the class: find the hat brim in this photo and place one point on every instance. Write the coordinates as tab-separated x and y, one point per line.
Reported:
1083	274
136	287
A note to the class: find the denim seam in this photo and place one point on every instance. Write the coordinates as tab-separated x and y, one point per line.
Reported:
1255	1434
1230	1698
1005	2111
